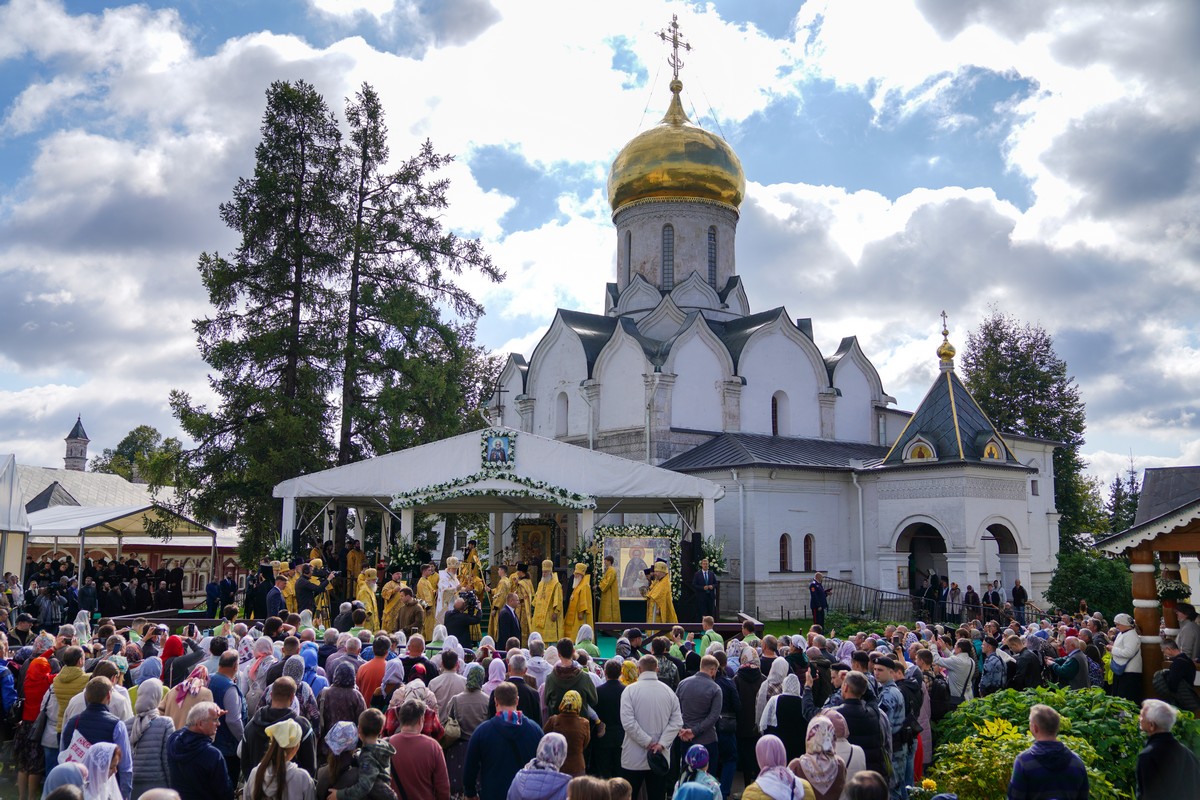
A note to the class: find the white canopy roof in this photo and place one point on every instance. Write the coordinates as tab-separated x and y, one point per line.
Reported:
453	476
74	521
12	508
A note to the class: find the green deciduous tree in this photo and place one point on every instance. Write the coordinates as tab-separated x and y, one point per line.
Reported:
1088	575
1023	385
142	455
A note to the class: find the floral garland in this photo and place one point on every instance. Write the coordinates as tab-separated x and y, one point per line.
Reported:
511	435
533	489
674	535
1172	589
714	550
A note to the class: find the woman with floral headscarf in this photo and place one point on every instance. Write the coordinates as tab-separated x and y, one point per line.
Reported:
432	726
148	732
253	680
695	770
574	728
775	781
770	688
341	701
852	755
820	765
340	742
468	708
178	701
748	680
541	778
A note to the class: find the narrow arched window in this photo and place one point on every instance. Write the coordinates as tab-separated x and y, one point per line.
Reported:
668	257
712	256
780	415
809	547
785	553
628	257
560	415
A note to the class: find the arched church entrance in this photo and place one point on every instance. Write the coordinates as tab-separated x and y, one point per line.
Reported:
926	549
998	546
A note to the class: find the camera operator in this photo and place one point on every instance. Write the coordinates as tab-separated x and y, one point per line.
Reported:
51	605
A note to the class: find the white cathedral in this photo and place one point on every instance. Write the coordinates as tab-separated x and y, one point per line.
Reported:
820	471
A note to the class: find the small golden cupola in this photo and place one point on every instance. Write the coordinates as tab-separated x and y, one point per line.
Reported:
946	351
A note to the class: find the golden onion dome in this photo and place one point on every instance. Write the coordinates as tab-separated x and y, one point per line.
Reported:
676	160
946	351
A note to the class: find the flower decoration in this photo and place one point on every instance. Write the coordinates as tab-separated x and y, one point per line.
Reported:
673	535
461	487
1172	589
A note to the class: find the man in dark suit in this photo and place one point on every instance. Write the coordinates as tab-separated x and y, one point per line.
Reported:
704	583
508	624
276	606
606	749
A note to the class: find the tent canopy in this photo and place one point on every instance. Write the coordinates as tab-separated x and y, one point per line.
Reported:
544	475
12	509
120	521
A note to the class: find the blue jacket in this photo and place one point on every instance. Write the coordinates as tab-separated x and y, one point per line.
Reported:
498	749
539	784
197	767
1048	771
8	686
276	607
97	724
226	740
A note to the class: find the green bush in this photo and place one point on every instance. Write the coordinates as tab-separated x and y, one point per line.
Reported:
980	766
1108	724
1088	575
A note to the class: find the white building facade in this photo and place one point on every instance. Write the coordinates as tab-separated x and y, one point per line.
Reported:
821	471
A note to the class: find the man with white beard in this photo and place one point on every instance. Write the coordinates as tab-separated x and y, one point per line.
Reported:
366	596
448	588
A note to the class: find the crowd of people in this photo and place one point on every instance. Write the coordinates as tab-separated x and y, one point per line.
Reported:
415	701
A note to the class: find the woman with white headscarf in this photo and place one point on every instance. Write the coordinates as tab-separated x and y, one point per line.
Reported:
101	763
585	640
771	687
148	732
541	778
783	715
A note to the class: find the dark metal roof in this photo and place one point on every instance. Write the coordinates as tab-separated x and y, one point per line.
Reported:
77	432
735	333
1165	489
52	495
593	330
730	450
950	420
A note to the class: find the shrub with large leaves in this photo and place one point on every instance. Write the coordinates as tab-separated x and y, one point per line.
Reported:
979	766
1108	724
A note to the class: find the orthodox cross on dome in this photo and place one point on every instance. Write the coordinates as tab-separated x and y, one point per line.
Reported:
946	350
945	328
676	41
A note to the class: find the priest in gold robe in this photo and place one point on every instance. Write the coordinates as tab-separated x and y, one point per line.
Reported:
548	605
392	599
579	609
523	586
472	566
610	603
659	606
427	596
499	596
366	596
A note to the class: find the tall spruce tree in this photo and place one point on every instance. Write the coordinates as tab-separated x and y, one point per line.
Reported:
1022	384
1123	494
406	369
273	338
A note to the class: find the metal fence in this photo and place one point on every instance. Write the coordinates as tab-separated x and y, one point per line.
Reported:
866	603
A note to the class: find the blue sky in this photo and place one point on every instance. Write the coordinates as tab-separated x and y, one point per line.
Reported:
902	158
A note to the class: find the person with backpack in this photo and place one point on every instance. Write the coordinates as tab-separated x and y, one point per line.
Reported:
995	673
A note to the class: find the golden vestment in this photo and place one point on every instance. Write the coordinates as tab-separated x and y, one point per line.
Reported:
548	610
579	610
659	606
610	605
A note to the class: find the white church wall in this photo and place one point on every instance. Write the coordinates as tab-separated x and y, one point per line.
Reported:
640	237
558	366
772	363
894	421
854	413
620	370
700	371
511	383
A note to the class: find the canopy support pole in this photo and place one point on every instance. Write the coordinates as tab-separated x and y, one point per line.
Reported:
118	547
289	519
82	546
214	572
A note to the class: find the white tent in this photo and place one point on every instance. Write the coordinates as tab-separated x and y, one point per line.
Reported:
71	522
538	475
14	525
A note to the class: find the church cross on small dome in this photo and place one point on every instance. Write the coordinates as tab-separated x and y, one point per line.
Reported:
676	41
946	350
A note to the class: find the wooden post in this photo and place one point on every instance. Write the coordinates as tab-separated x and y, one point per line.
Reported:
1146	614
1168	562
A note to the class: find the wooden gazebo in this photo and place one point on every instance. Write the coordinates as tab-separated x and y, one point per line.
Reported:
1167	524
